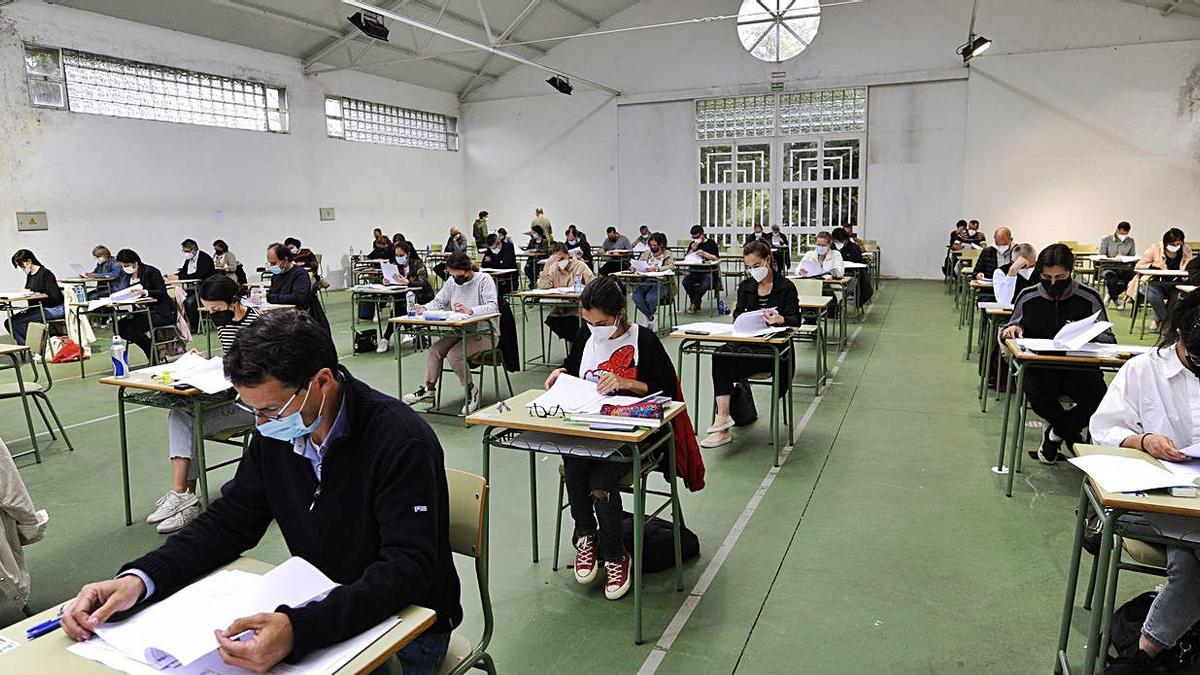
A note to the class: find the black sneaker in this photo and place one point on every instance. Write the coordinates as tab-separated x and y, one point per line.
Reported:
1138	664
1047	452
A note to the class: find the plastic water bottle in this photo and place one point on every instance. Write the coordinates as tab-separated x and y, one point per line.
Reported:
120	365
428	250
81	293
578	283
722	308
410	301
256	296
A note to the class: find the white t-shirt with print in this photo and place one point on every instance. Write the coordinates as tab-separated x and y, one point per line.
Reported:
597	354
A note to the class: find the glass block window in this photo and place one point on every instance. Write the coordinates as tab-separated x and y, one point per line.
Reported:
736	117
823	112
104	85
366	122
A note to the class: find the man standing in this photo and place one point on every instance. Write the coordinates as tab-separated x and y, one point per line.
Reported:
355	481
540	219
479	230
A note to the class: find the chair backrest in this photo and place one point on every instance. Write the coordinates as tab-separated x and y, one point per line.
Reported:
436	248
971	254
808	286
468	508
1071	244
36	339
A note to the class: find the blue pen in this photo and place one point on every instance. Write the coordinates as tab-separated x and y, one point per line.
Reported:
42	628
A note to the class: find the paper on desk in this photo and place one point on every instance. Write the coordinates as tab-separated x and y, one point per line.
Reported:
550	291
378	287
79	269
749	322
639	266
568	445
444	315
693	258
1004	287
207	375
850	265
180	628
995	305
640	247
810	268
709	327
116	298
1128	474
573	395
1078	333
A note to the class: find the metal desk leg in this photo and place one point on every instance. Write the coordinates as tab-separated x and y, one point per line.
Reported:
676	512
16	361
124	454
1102	562
970	328
533	509
1064	630
399	335
1000	468
984	361
775	403
198	439
639	532
1018	399
466	363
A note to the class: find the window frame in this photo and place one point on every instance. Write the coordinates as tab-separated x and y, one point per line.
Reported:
386	114
60	80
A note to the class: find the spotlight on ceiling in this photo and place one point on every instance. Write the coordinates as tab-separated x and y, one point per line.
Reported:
371	24
977	45
562	84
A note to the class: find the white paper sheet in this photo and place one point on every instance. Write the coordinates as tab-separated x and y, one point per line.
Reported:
180	628
640	247
79	269
854	265
1078	333
207	375
550	291
994	305
1128	474
639	266
693	258
116	298
749	322
568	445
444	315
1004	287
810	268
574	395
376	288
708	327
391	274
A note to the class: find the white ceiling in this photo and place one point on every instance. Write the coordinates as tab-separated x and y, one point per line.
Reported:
305	28
1178	7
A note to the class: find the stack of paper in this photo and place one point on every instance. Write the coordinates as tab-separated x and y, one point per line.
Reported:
694	258
809	268
444	315
568	445
641	267
177	633
375	288
750	328
207	375
117	297
640	247
550	291
1129	474
574	395
391	274
1074	335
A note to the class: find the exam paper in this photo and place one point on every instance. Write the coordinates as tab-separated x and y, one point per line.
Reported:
207	375
693	258
1128	474
116	298
79	269
1078	333
810	268
573	395
640	247
391	274
639	266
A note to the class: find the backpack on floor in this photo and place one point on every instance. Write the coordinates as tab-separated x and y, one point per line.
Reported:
741	404
658	546
1127	629
366	341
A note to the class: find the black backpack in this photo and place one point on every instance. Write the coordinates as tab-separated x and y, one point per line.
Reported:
366	341
1127	629
658	544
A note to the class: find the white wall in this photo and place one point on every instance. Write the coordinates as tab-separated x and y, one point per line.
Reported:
526	144
147	185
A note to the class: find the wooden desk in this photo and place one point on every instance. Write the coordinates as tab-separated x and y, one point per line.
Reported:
989	334
1110	505
16	354
11	298
1019	360
117	309
503	424
542	298
48	654
148	392
462	329
849	289
774	349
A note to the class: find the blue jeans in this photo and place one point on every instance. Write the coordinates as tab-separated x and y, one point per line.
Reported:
645	298
424	655
1177	607
21	320
1158	296
697	284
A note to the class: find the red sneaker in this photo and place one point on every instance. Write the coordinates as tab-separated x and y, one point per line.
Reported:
585	560
619	578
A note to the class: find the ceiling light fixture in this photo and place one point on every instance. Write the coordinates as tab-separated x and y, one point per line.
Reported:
371	24
976	44
562	84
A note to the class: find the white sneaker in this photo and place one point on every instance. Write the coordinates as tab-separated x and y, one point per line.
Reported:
170	504
384	345
472	403
179	520
421	394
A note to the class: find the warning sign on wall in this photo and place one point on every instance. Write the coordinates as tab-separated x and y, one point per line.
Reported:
32	220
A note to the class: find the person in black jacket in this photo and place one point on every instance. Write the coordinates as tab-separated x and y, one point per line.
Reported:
851	252
999	254
698	281
290	284
621	358
354	479
765	289
197	266
38	279
497	256
577	244
134	327
1040	312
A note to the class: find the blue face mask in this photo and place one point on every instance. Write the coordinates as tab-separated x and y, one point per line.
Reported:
401	260
290	427
275	269
822	250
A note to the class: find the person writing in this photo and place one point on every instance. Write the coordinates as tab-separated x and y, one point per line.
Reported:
356	483
829	259
643	236
997	255
302	256
538	248
197	266
497	256
767	290
613	241
222	299
290	284
1170	254
38	279
561	271
1040	312
1117	245
471	293
698	281
577	244
645	296
107	269
619	358
417	276
134	327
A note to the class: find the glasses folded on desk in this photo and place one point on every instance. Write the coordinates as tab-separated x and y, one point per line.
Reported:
536	410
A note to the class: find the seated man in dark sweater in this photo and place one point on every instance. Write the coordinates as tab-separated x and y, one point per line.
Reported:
197	266
290	284
354	479
1040	312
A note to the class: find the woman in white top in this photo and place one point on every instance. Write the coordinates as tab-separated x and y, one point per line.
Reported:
828	258
1153	404
471	292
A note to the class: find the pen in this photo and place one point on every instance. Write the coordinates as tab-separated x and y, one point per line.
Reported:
42	628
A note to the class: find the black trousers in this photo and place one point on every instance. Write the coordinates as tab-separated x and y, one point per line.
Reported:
136	329
610	267
592	515
565	327
1044	387
727	369
1117	280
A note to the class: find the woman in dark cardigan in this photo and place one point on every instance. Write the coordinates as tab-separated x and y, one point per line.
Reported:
764	289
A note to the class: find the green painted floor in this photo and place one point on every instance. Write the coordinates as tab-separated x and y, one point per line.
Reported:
884	543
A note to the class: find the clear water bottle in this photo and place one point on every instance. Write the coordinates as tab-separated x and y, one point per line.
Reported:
80	293
120	364
578	283
722	308
410	301
256	296
428	250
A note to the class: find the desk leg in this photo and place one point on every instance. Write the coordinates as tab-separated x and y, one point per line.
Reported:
124	454
639	531
16	361
533	507
1018	399
984	355
1103	560
198	440
1064	630
466	364
82	373
524	316
676	511
1000	468
775	404
401	330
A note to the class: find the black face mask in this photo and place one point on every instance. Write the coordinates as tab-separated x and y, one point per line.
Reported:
460	279
220	318
1056	289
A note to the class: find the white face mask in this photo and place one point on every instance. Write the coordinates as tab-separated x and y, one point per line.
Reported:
1026	272
839	244
100	261
1002	248
1122	237
759	273
602	333
1174	248
128	269
495	250
562	264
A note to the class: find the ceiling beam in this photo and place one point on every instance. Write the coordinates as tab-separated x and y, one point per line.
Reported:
331	32
346	36
466	21
574	12
513	27
478	45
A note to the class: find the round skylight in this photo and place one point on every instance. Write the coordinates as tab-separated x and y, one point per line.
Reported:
777	30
